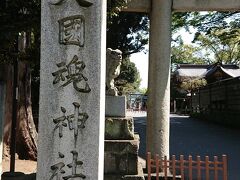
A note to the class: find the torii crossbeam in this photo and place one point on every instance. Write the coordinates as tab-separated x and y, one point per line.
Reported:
187	5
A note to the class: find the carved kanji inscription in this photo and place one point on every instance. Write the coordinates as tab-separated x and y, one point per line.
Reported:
83	3
60	122
75	121
72	30
72	73
75	163
57	169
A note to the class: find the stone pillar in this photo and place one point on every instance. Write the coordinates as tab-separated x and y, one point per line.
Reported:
72	90
159	78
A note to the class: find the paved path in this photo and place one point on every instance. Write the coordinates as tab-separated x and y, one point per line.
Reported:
195	137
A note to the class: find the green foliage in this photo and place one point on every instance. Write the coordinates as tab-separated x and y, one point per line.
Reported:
143	90
189	85
205	21
179	20
217	35
187	54
224	43
19	16
114	8
128	32
129	80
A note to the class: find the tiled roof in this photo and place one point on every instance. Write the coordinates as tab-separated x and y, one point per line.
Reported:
191	70
236	72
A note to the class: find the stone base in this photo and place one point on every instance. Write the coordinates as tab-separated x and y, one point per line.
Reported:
119	128
138	176
115	106
121	156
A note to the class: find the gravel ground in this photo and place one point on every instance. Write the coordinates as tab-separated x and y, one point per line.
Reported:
25	166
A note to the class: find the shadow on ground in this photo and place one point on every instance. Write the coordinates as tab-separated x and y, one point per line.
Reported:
18	176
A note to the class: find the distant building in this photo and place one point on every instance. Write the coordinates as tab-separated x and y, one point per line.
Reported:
137	101
211	73
181	99
218	102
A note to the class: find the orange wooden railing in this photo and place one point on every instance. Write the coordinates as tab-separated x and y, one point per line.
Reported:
187	168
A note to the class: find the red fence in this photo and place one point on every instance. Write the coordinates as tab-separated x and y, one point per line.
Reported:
187	168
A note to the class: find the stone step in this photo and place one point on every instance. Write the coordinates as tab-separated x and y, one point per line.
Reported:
119	128
121	156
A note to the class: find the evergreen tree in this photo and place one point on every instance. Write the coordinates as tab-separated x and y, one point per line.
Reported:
129	33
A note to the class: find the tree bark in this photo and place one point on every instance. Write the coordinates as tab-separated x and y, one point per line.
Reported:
8	78
26	139
26	142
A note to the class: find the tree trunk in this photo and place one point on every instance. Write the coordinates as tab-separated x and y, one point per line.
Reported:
8	78
26	134
26	142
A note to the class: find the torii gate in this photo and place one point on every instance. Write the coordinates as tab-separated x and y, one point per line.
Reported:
159	60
